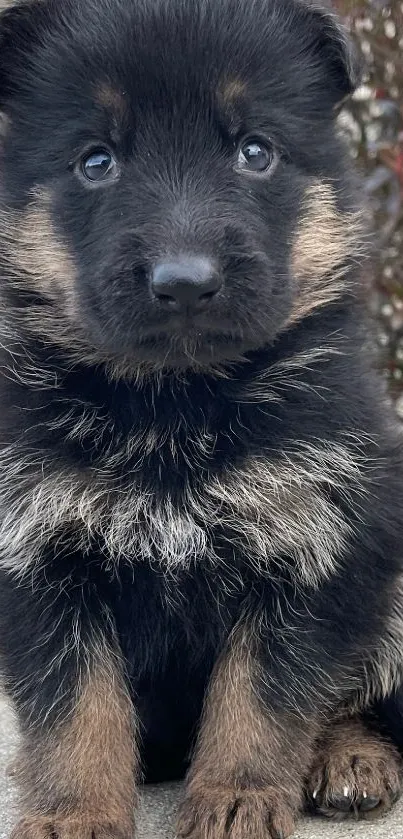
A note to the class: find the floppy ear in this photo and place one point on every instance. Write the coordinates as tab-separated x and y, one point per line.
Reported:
335	50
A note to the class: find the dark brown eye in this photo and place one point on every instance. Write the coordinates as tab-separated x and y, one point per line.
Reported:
255	156
99	165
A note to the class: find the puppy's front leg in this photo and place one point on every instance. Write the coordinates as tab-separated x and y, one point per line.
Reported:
78	763
78	778
246	780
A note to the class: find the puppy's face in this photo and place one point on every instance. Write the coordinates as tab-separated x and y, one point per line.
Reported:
166	171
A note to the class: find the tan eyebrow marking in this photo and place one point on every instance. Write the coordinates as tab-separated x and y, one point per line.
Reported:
112	99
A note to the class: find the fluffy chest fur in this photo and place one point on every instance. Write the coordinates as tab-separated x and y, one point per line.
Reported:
291	508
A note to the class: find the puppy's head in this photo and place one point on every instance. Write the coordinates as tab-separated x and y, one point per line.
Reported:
170	173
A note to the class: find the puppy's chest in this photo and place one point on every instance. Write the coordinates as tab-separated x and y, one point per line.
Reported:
263	510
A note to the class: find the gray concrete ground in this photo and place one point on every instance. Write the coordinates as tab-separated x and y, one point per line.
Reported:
159	804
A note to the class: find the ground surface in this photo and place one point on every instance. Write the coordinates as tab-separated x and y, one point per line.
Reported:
159	805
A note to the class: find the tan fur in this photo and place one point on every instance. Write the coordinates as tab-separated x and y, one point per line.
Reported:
37	827
37	258
230	91
85	769
281	507
325	238
248	767
112	99
268	509
356	764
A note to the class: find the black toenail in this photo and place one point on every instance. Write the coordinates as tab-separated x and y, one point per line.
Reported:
341	802
369	803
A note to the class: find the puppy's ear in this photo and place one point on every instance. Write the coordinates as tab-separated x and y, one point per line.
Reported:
335	50
21	25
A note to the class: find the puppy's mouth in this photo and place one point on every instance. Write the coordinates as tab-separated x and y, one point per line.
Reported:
177	324
191	346
208	339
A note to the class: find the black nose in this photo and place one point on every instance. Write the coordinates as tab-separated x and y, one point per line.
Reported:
188	283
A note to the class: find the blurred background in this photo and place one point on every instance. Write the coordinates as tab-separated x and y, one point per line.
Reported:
373	120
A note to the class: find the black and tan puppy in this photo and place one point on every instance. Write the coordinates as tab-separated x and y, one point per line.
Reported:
201	490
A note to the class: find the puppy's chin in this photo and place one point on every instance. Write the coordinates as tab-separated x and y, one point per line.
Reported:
198	352
206	342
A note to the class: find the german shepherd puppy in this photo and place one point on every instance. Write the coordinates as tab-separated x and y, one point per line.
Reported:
201	484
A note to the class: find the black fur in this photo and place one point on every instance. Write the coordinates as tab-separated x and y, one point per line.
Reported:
205	389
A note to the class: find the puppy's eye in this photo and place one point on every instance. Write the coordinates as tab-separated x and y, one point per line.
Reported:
99	165
255	156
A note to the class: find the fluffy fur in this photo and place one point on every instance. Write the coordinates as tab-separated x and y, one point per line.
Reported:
200	513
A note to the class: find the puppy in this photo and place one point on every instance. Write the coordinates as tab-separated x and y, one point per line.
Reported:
201	483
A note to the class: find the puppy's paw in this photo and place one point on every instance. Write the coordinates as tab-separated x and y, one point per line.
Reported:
227	813
356	782
69	827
